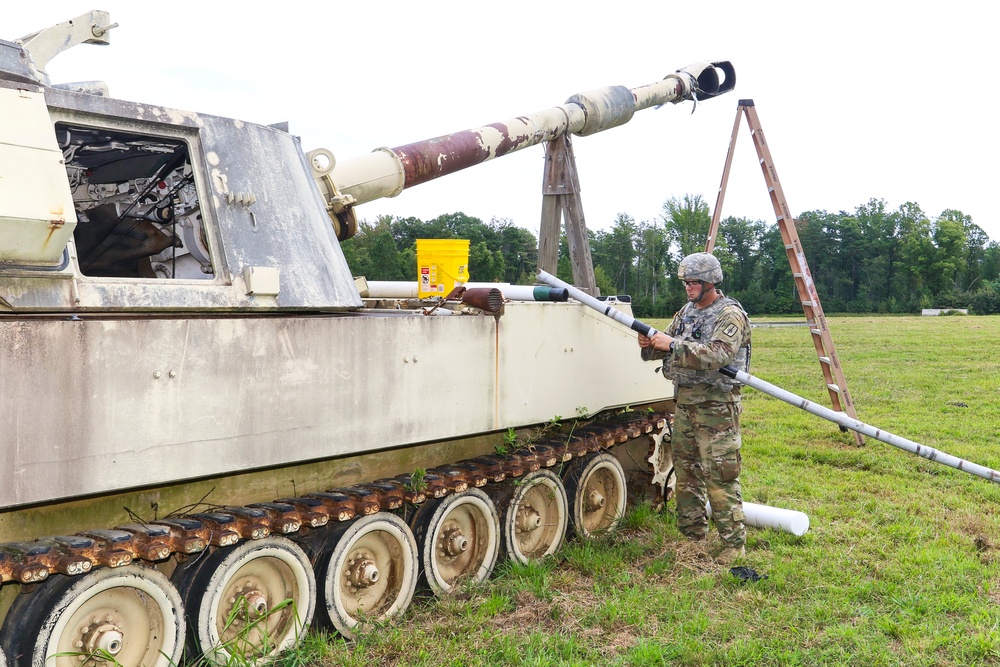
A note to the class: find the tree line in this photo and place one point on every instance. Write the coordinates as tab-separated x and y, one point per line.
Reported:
870	260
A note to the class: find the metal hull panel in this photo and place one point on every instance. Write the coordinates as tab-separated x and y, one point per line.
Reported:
97	405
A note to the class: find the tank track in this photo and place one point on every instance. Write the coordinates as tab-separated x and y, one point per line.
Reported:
156	541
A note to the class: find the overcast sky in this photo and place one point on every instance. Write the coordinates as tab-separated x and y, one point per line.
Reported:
858	100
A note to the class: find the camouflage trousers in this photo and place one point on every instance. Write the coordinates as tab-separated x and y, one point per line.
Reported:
706	450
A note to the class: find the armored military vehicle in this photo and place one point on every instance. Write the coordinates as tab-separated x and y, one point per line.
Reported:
211	440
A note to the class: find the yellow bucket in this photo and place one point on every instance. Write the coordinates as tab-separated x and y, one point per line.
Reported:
441	265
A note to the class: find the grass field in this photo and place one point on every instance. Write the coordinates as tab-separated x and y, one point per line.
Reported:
901	565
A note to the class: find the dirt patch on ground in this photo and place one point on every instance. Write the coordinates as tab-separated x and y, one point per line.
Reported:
697	556
562	614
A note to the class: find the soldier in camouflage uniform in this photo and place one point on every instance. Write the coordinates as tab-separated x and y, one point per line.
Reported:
709	332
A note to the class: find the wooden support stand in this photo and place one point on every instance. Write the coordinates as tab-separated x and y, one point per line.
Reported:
561	200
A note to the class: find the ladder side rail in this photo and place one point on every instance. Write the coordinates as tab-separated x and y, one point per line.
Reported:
713	230
811	305
785	221
813	313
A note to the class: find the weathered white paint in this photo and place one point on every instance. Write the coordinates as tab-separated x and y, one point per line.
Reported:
92	406
111	383
37	218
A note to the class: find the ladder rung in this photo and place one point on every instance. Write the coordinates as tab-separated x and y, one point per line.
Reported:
825	360
789	246
833	387
807	303
798	275
771	189
818	332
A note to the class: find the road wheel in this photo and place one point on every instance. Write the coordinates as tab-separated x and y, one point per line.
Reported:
370	572
460	539
597	492
535	520
129	617
249	602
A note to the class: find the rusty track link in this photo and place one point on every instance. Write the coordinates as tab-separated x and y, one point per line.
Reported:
33	562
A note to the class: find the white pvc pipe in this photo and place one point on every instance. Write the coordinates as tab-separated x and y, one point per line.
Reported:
764	516
601	307
392	289
840	418
846	421
405	289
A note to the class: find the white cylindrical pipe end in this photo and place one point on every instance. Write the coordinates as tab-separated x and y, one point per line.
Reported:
764	516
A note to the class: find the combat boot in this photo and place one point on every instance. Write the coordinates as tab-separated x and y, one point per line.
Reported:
730	554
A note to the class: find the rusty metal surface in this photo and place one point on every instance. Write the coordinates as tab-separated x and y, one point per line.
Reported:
284	518
426	160
489	299
33	562
386	172
345	505
472	473
149	542
322	508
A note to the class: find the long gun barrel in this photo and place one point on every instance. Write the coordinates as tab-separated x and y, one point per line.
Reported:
388	171
838	418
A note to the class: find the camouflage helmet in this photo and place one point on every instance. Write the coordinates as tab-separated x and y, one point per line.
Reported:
700	266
